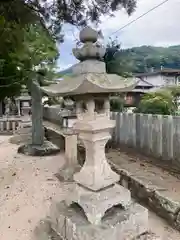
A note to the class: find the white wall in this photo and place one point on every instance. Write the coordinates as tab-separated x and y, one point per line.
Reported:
159	80
169	80
156	80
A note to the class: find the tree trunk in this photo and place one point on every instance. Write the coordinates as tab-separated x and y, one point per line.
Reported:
37	114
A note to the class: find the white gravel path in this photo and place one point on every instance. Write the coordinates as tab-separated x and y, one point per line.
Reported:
27	186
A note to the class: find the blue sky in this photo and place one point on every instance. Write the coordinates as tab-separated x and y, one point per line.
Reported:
158	28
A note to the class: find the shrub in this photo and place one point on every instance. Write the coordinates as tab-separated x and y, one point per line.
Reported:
160	102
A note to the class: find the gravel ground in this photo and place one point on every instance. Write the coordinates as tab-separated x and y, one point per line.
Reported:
28	186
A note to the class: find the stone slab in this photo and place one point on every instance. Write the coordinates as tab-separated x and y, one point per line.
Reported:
95	204
154	196
70	223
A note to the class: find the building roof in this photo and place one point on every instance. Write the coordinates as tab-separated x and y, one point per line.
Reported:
144	83
160	71
140	90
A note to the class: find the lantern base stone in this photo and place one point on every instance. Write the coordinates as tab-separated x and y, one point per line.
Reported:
96	204
70	223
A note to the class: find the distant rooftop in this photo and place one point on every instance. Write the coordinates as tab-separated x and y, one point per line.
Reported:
159	71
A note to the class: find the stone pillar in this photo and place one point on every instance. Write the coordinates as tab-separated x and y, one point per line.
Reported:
1	109
18	107
96	172
8	125
107	107
71	165
13	126
79	109
90	104
71	149
2	125
37	115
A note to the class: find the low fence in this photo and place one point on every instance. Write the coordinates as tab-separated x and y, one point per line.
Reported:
154	135
9	124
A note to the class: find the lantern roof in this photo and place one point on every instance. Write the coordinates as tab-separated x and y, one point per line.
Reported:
89	75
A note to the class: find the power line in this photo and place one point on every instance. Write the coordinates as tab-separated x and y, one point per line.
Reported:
144	14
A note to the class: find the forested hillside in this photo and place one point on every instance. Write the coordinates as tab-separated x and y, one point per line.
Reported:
142	59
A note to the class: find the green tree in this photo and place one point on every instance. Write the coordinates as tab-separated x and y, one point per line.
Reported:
31	63
10	74
162	102
142	59
117	103
114	63
40	52
19	62
59	11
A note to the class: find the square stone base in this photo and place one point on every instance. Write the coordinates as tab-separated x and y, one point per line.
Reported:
70	223
96	204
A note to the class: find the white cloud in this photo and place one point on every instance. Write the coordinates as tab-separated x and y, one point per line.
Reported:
159	27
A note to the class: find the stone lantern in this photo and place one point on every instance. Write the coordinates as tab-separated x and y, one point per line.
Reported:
109	211
23	102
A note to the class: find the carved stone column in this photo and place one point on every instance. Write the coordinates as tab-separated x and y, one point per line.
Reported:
96	172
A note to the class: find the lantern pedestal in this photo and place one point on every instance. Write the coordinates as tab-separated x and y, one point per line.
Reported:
96	173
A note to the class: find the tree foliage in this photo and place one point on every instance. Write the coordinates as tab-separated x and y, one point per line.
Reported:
38	51
10	76
143	59
162	102
18	64
74	12
115	64
52	14
117	104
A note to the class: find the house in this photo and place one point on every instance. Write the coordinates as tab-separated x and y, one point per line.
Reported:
152	80
162	77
